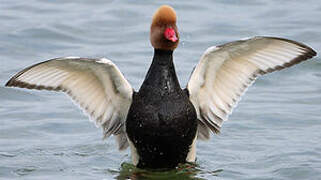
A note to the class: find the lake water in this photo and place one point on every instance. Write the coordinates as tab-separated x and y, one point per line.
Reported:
274	133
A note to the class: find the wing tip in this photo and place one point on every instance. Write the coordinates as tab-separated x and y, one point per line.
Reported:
313	53
307	53
303	57
308	49
16	83
9	83
13	82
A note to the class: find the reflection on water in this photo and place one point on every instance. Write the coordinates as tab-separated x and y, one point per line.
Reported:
183	171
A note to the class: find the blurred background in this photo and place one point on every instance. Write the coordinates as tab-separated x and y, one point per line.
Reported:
274	133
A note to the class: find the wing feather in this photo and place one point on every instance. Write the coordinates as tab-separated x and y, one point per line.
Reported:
225	72
96	85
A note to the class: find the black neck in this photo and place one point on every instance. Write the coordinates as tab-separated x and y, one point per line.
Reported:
161	76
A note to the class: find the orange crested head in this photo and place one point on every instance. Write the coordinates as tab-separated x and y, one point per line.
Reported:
163	33
164	15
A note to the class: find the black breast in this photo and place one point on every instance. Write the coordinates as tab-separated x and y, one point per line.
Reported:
161	122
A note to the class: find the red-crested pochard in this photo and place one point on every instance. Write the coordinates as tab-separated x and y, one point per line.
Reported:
161	122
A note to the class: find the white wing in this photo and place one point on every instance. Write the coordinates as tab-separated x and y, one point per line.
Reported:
96	85
225	72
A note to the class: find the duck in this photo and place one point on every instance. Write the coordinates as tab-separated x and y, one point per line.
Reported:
161	122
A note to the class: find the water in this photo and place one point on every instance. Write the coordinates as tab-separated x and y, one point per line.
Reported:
274	133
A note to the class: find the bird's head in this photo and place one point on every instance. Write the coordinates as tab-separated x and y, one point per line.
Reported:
163	32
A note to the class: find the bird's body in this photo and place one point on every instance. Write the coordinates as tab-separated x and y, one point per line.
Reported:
161	122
